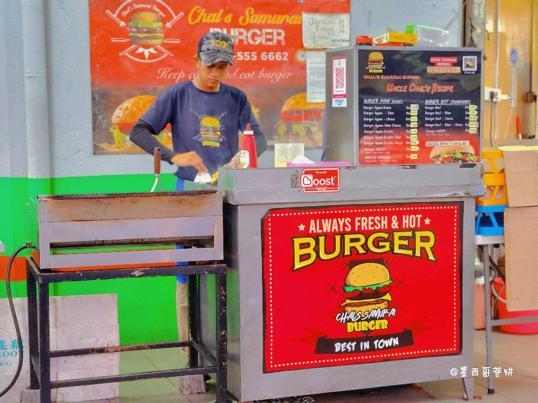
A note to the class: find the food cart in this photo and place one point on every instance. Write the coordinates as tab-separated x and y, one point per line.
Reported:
356	277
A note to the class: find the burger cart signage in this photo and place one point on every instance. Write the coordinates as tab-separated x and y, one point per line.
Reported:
418	107
139	47
357	284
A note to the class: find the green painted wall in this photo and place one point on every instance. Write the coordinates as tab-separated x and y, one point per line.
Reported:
146	307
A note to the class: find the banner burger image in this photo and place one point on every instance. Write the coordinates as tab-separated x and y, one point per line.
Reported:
146	28
122	121
301	121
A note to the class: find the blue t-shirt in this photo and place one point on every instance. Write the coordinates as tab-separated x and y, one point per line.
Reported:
205	122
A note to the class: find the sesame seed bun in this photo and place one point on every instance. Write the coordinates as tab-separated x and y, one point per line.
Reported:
366	274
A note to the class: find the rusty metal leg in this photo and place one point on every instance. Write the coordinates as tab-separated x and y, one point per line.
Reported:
194	319
486	253
44	342
31	291
221	338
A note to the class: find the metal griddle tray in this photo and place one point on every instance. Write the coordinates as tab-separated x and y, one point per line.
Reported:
129	229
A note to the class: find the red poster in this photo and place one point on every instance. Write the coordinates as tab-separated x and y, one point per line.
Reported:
139	47
357	284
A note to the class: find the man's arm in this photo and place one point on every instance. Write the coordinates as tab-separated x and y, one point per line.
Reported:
142	135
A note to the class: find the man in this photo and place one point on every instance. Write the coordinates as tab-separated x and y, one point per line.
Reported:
206	116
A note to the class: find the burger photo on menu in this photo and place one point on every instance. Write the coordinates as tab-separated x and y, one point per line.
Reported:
125	116
453	154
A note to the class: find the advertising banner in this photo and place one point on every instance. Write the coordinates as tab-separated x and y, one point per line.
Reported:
357	284
419	107
139	47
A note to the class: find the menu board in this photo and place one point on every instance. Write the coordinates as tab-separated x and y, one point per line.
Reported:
418	106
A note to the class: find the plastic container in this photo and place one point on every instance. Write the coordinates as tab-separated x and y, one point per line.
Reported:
363	40
429	36
504	313
248	156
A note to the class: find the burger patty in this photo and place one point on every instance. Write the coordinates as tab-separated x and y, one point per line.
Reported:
145	30
369	302
368	293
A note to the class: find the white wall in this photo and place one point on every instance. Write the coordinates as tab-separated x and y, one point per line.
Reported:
13	155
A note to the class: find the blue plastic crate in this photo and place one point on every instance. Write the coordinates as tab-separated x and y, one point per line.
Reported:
489	220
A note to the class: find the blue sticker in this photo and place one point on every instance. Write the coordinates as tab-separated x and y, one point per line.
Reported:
513	56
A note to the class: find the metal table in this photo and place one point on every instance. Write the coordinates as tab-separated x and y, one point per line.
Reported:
132	235
39	327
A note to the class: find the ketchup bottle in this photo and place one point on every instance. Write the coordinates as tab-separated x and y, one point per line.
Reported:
248	156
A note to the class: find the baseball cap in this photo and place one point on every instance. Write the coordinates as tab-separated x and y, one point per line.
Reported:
216	47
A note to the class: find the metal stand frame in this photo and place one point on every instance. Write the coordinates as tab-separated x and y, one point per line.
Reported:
39	328
487	251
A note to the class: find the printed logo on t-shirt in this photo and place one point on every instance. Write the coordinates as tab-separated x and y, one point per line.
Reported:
210	130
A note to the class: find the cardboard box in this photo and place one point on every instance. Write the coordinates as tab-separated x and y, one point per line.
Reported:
520	235
521	169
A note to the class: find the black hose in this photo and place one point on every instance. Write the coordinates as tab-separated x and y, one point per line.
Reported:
14	315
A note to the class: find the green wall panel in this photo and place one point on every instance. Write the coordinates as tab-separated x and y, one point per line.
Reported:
18	210
111	184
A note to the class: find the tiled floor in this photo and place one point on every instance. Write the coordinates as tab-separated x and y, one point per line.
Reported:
519	352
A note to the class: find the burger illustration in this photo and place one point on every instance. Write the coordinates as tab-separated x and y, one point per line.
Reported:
453	154
301	121
123	120
210	131
367	287
375	60
145	28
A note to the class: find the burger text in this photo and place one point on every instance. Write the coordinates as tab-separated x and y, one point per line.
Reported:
306	250
199	14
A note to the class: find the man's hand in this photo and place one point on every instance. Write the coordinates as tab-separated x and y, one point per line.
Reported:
235	162
187	159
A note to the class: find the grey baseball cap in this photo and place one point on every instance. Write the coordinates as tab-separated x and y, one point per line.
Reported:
216	47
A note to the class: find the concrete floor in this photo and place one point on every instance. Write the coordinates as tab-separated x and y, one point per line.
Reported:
519	352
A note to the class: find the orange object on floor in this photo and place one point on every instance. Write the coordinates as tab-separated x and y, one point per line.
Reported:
504	313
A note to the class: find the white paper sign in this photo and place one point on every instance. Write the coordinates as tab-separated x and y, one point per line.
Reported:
325	30
315	76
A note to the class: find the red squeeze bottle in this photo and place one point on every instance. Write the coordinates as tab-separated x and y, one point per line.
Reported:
248	156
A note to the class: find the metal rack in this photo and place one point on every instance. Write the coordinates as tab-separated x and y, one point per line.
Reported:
39	327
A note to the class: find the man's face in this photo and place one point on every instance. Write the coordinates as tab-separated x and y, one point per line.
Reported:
210	77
